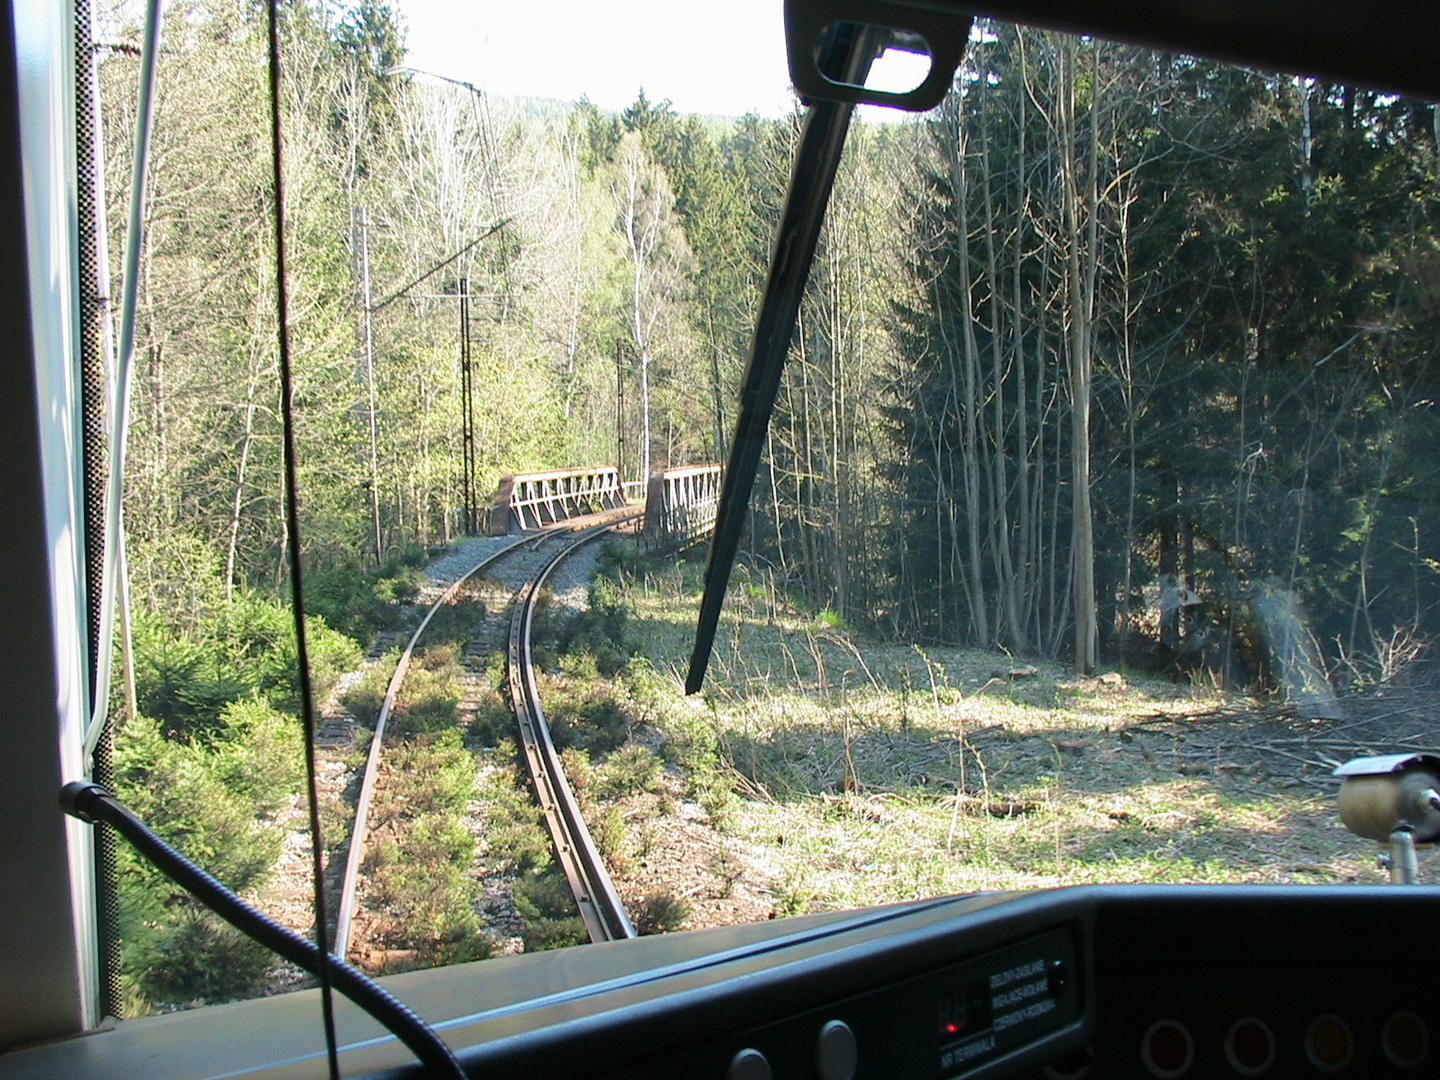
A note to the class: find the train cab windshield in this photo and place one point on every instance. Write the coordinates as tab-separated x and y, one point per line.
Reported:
798	524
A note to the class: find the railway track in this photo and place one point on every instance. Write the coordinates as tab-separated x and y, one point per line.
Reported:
576	853
595	895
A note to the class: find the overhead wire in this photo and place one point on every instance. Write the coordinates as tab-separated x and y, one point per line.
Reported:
491	231
292	528
422	1038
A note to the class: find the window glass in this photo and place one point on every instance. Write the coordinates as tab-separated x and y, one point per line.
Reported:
1096	524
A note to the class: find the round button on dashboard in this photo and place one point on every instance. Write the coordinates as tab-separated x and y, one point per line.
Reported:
1328	1044
748	1064
1250	1046
836	1054
1405	1039
1167	1049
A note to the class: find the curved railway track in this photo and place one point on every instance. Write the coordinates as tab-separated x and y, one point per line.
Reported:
595	894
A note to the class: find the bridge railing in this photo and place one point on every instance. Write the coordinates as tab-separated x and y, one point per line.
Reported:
680	505
534	500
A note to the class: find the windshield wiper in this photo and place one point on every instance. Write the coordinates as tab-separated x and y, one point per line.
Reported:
822	139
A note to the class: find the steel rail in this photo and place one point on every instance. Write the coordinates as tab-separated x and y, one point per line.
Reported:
595	894
358	833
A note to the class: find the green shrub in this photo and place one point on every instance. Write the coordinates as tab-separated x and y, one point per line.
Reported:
589	718
515	828
361	602
455	622
690	738
408	556
440	658
263	756
631	770
543	896
432	774
618	560
493	720
256	636
548	908
795	893
661	913
428	900
363	700
438	838
212	802
541	934
425	716
579	772
343	594
179	682
718	801
429	698
202	957
612	837
462	946
400	587
601	630
195	798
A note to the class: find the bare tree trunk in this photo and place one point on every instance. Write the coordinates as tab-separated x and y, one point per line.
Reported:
1025	577
1127	384
237	504
639	252
1307	169
973	568
1081	285
1000	481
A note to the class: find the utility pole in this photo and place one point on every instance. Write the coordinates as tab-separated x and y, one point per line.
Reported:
466	372
619	415
467	408
362	225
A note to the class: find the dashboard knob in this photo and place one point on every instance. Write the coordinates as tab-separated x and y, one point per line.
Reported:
748	1064
835	1052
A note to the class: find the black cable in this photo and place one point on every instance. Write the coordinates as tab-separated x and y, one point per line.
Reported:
92	803
292	523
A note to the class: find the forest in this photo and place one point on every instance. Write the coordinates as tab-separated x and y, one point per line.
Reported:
1107	322
1105	315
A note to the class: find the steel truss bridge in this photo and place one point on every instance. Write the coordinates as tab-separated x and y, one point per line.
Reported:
680	503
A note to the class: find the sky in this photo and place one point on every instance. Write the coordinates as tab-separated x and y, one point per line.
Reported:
698	58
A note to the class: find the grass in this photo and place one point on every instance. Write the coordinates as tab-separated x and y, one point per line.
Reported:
864	773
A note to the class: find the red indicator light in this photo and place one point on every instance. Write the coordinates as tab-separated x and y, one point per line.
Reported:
952	1028
1250	1046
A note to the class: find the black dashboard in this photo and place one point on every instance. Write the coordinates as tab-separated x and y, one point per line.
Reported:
1110	981
1158	982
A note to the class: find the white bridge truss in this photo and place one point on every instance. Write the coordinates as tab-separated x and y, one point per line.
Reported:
534	500
680	505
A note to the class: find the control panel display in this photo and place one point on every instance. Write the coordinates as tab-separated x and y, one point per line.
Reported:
1005	1000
